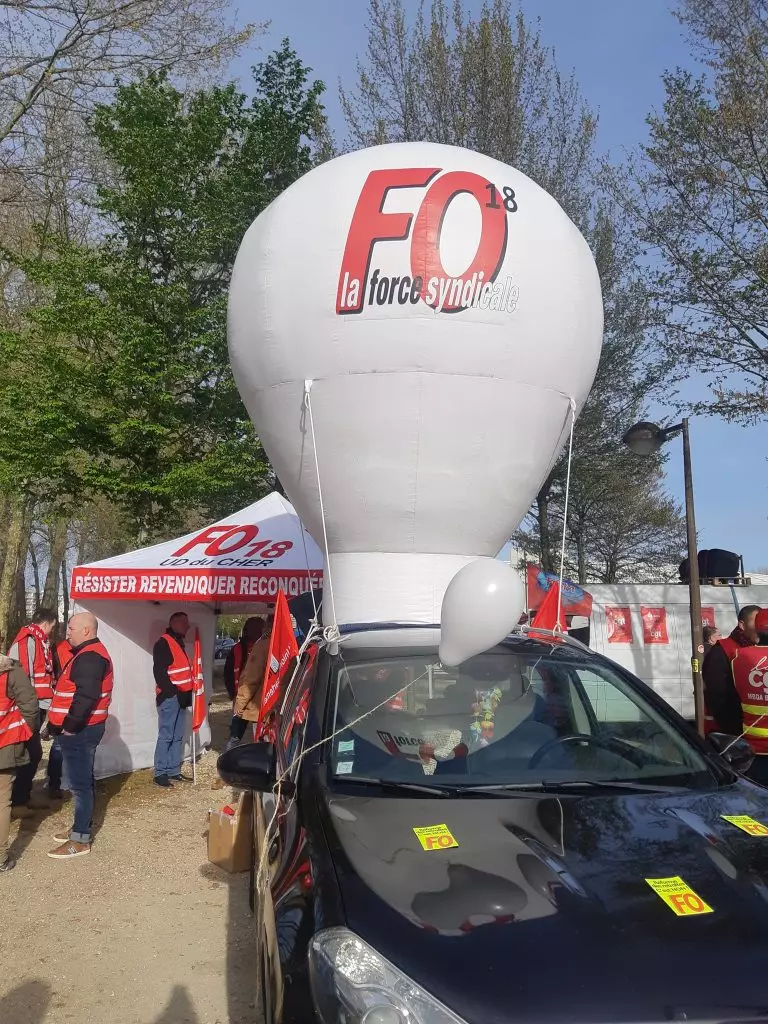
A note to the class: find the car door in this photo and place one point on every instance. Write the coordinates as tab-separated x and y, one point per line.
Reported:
279	828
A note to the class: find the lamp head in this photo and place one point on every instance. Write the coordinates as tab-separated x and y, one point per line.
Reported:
644	438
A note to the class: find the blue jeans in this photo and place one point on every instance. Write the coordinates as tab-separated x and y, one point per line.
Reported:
54	765
78	753
171	719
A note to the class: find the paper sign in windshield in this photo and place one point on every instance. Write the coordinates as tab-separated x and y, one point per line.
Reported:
679	896
435	837
746	824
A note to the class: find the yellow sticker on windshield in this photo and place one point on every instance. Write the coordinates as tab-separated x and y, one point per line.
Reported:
746	824
679	896
435	837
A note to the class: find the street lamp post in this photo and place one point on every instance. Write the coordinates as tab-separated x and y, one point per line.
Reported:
644	439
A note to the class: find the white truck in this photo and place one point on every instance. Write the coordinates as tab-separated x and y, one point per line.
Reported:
646	628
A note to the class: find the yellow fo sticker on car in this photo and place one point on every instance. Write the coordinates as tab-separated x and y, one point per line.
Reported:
746	824
679	896
435	837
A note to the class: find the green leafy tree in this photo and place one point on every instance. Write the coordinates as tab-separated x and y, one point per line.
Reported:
132	393
701	205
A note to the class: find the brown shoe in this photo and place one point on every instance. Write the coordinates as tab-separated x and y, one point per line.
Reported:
21	811
69	850
61	837
39	803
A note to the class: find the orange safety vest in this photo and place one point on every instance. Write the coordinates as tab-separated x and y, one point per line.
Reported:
66	688
63	653
750	677
731	649
40	671
180	671
13	728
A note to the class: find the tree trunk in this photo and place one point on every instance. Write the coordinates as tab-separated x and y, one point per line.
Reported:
581	555
59	535
35	571
16	540
65	589
82	541
545	536
4	513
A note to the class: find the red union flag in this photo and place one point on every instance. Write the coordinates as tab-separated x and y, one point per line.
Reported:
282	648
619	625
654	625
198	692
708	617
546	617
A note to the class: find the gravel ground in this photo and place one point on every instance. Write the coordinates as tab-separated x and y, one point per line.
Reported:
142	931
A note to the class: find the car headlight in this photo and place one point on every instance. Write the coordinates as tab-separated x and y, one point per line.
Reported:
353	984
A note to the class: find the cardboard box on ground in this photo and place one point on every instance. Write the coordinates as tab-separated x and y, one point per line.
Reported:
230	836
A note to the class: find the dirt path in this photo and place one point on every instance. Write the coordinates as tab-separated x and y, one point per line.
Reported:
144	930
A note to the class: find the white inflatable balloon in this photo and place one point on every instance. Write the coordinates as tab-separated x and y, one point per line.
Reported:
446	310
481	606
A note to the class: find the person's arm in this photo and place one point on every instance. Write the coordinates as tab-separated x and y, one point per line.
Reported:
720	693
162	659
22	692
87	674
229	673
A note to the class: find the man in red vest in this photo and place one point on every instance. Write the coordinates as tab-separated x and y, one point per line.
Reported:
174	682
723	707
77	717
750	680
32	649
237	657
18	722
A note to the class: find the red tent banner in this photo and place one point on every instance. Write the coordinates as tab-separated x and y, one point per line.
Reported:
654	625
619	625
282	648
198	692
575	600
246	558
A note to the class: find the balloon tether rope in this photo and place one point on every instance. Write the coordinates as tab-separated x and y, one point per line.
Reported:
572	403
331	633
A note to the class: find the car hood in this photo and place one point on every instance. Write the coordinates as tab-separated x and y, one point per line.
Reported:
543	911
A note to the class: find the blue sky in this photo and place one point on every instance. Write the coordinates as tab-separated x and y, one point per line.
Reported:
618	49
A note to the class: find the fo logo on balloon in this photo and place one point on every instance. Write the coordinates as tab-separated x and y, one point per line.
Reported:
424	277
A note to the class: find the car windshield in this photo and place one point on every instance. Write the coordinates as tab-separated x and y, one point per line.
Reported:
537	715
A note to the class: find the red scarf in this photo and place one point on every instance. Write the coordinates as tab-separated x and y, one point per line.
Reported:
39	634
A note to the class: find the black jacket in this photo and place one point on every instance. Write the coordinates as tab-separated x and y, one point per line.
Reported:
719	691
162	659
87	674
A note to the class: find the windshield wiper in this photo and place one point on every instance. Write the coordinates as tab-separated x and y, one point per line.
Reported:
554	786
416	787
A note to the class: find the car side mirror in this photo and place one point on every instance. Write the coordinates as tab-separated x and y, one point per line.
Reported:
252	766
733	749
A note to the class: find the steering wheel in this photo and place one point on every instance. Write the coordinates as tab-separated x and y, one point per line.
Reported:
610	743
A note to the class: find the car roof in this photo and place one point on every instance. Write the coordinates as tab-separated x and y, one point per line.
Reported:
410	637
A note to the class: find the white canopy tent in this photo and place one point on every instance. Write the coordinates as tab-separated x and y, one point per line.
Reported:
235	566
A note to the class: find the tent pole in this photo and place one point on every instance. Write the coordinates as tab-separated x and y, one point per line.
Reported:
194	762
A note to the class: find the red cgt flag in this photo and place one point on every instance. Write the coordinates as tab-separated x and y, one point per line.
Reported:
282	647
198	691
546	616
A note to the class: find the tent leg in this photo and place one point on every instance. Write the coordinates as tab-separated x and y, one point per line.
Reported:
194	761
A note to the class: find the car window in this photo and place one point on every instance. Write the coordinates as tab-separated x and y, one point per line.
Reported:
503	717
